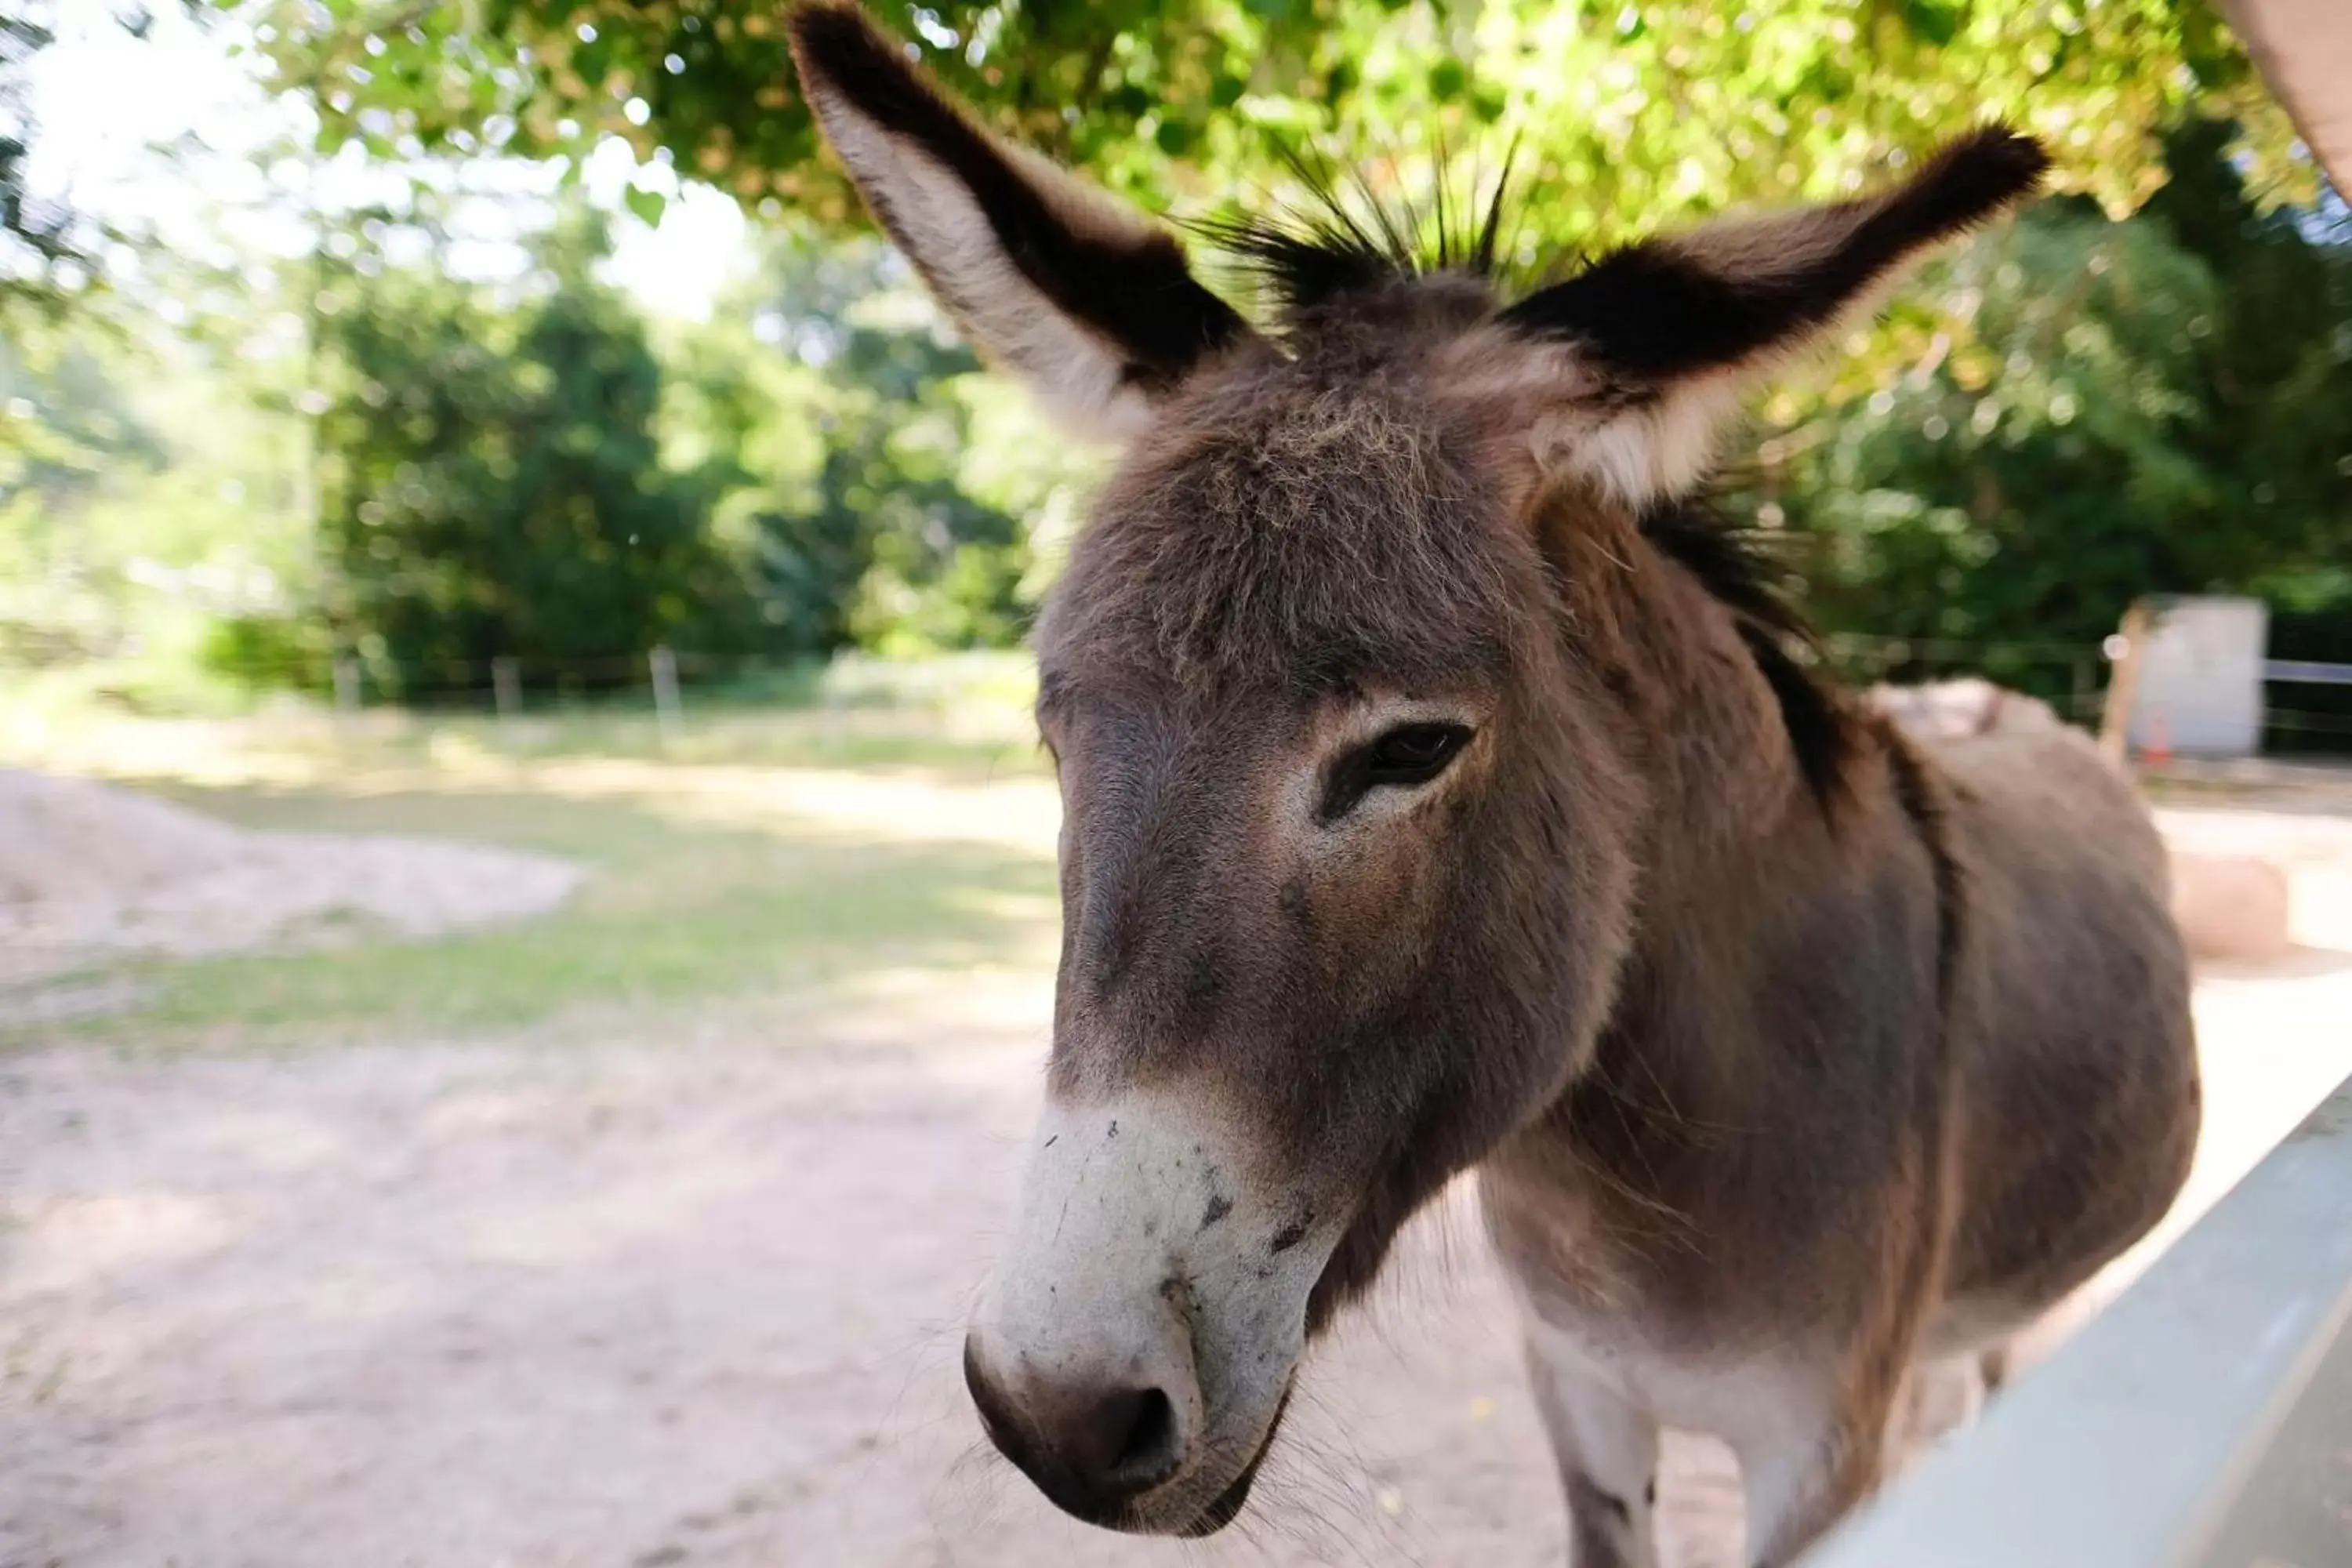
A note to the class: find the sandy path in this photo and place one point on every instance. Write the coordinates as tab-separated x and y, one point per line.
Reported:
599	1302
607	1306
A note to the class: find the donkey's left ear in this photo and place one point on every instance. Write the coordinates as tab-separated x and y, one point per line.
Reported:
1080	296
1664	336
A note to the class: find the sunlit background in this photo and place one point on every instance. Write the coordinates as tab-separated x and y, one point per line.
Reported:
527	901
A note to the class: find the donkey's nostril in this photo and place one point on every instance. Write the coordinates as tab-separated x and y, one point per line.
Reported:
1118	1445
1148	1451
1093	1444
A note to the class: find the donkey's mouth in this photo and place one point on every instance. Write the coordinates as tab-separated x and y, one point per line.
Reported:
1227	1505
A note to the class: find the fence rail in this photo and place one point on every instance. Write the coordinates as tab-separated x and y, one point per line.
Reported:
664	680
2306	672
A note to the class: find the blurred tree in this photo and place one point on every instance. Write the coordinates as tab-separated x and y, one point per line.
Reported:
2276	367
844	402
2092	411
74	424
151	490
2067	413
69	434
1630	113
42	246
45	263
492	481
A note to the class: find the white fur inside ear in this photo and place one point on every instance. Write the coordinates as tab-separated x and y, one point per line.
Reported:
1075	373
1657	450
1550	406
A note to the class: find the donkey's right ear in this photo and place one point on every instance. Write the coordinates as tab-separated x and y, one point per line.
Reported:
1080	296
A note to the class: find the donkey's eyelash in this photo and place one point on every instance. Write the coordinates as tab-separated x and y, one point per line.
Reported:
1406	757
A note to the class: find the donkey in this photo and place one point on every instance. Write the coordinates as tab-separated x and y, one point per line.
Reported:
1445	790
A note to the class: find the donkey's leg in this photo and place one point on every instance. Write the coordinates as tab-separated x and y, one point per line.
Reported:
1607	1455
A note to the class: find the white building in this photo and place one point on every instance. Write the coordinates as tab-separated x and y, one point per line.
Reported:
2200	679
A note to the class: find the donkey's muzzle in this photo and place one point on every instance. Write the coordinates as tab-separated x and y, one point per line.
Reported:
1094	1443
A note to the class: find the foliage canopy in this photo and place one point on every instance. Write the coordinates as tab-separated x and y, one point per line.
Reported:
2067	413
1627	113
2091	411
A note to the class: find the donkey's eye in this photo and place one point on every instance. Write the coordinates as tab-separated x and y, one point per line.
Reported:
1407	755
1413	753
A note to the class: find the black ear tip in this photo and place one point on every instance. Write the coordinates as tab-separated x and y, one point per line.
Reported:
833	37
1990	167
846	57
2014	148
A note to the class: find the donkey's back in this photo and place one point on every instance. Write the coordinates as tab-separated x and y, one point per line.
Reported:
2080	1102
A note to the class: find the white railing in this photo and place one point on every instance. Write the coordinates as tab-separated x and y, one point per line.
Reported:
2204	1420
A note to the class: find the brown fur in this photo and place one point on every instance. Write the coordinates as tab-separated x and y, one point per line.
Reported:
1792	1052
1846	1073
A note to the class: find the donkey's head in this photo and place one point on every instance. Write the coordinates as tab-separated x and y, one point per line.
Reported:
1353	813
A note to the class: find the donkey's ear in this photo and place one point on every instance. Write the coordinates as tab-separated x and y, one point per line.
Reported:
1667	334
1080	296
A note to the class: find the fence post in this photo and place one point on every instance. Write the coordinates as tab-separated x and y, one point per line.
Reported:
666	708
2124	652
347	690
506	682
837	717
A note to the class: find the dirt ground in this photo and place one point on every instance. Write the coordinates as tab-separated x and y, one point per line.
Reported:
606	1299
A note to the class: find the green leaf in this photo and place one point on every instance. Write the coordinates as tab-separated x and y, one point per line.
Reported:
648	205
1932	21
1820	88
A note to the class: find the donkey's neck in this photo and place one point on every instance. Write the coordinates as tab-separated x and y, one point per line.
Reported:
1725	783
1737	839
1769	944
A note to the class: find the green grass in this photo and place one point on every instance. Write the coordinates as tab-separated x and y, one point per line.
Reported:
711	879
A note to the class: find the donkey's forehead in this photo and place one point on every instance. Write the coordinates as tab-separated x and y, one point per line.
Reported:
1292	530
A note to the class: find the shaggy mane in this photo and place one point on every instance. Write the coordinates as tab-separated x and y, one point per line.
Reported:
1736	567
1342	237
